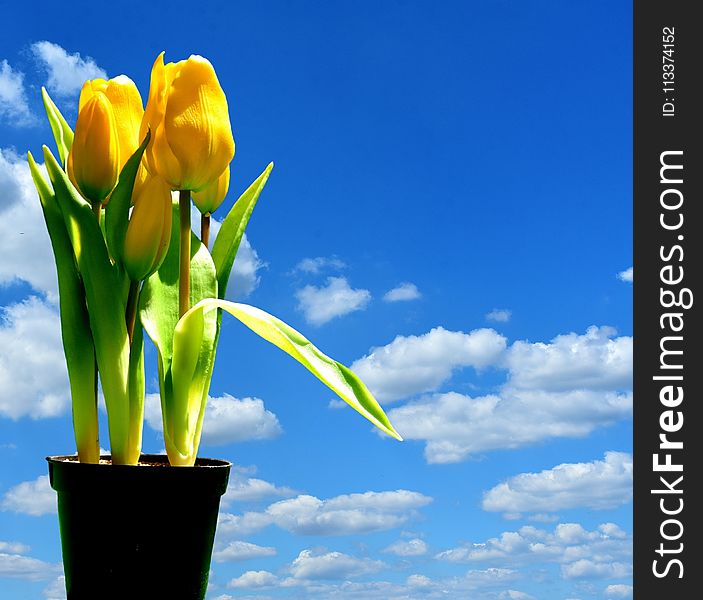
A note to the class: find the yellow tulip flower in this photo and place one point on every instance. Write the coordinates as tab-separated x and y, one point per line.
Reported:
209	199
191	143
149	230
105	138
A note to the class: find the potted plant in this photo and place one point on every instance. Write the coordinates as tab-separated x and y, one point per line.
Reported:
117	207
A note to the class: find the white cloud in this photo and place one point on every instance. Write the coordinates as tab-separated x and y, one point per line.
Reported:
24	241
33	376
14	108
337	298
618	590
602	553
413	547
332	565
66	72
592	361
34	498
238	550
16	566
413	364
565	388
13	547
499	315
598	485
56	590
403	292
250	489
627	275
454	426
314	266
228	420
254	579
341	515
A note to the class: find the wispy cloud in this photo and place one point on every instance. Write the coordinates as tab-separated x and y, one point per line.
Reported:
499	315
598	485
314	266
66	72
413	547
238	551
14	108
335	299
402	293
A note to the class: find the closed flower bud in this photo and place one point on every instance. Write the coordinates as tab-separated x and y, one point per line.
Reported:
209	199
187	112
149	230
94	159
96	144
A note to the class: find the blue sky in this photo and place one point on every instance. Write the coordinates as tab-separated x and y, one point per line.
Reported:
450	214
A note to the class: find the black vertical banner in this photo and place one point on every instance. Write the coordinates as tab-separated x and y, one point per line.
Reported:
668	296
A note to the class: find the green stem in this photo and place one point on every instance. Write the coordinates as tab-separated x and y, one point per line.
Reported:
184	271
98	210
131	312
205	229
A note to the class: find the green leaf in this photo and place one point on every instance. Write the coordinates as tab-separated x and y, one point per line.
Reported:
63	134
184	369
75	326
117	211
225	248
336	376
106	307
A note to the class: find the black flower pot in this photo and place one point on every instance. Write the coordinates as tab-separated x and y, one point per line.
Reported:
133	532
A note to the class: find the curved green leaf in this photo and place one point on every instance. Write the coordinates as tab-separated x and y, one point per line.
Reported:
336	376
224	250
75	326
117	210
63	134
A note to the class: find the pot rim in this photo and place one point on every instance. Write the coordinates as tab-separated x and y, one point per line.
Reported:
145	461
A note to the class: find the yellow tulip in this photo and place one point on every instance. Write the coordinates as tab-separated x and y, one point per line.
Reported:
88	157
149	230
209	199
191	143
93	162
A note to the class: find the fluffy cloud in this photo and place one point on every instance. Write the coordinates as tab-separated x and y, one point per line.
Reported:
337	298
228	420
413	364
33	377
341	515
499	315
238	550
314	266
565	388
23	234
56	590
627	275
13	547
34	498
66	72
597	485
14	108
254	579
618	590
593	361
603	553
402	293
413	547
332	565
249	489
18	566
